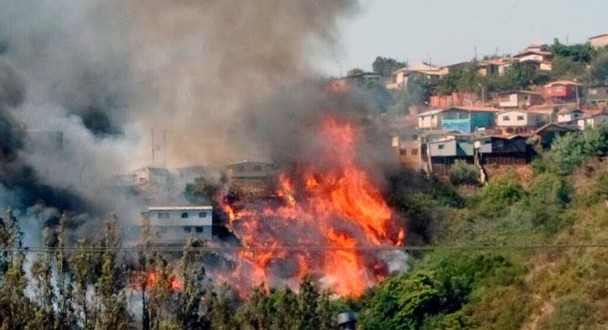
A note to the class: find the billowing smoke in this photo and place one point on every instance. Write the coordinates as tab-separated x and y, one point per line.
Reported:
207	63
82	83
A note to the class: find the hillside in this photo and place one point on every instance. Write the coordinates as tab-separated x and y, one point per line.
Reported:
544	262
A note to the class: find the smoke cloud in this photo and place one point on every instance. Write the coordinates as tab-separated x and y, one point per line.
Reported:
82	84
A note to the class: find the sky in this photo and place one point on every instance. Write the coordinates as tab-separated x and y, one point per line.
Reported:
445	32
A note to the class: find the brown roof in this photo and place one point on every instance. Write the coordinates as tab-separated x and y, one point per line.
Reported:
598	36
562	82
472	108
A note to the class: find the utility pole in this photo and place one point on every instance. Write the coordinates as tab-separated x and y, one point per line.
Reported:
577	98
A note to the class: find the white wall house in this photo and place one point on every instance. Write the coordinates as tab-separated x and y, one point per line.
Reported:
446	148
568	116
429	120
592	121
174	225
516	118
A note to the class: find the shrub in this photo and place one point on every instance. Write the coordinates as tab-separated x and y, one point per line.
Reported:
463	173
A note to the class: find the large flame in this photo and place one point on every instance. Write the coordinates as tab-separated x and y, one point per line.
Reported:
330	224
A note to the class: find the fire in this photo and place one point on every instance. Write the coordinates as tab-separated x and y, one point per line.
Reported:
152	279
330	214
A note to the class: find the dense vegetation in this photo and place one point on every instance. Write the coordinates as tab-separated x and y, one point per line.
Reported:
459	285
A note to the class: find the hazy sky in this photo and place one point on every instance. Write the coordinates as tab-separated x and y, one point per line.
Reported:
449	31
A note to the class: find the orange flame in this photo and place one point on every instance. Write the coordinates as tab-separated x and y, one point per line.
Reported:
333	210
151	279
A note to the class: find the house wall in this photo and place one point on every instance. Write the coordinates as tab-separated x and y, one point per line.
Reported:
178	225
442	148
512	118
560	90
599	41
532	57
428	121
250	170
568	117
482	119
410	154
509	101
597	94
592	122
466	121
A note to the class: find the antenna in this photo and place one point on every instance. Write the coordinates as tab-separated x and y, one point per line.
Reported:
164	147
153	146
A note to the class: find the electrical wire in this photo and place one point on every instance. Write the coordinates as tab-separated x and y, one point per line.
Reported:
236	249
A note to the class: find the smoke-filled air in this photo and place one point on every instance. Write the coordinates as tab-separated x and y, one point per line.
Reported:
93	91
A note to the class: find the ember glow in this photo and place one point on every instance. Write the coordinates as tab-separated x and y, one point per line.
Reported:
152	279
329	215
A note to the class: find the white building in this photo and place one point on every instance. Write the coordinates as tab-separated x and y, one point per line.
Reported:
592	121
517	118
430	119
569	116
400	77
174	225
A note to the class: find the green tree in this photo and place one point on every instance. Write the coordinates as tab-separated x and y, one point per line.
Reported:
256	313
401	303
83	265
286	307
113	313
65	314
222	310
192	312
581	53
354	72
599	68
463	173
385	66
16	310
567	68
308	304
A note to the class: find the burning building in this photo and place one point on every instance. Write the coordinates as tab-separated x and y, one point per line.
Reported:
251	178
332	223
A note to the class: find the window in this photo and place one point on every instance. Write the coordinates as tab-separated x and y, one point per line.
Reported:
184	215
202	214
558	88
415	137
441	146
163	215
199	229
506	118
257	168
240	168
403	152
414	151
593	91
520	117
187	229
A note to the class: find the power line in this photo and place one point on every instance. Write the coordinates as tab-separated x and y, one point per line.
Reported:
236	249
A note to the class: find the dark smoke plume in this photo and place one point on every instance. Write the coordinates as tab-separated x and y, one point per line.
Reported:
82	83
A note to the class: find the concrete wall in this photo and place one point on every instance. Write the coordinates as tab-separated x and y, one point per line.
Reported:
442	148
599	41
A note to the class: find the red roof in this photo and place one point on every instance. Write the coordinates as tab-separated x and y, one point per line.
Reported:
562	82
